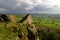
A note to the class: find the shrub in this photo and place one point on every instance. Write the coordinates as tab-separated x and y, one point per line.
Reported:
43	35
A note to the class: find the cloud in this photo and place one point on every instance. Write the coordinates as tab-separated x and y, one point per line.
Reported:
28	6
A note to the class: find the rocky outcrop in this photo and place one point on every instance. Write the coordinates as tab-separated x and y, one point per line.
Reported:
23	33
1	19
32	32
22	36
7	17
27	20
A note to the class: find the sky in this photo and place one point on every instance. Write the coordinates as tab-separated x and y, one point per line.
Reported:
30	6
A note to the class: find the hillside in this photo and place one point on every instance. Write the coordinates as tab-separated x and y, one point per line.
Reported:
29	27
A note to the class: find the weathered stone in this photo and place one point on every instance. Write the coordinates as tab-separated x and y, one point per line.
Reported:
1	19
4	17
7	17
12	18
17	38
27	20
22	36
33	34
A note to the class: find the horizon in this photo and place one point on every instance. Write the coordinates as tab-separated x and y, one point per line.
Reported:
29	13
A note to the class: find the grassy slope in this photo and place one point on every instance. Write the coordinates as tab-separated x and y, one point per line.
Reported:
7	34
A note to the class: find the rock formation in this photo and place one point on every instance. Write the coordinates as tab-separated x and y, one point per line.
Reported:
27	20
7	17
1	19
32	32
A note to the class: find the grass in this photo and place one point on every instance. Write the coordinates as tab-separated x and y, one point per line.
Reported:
6	34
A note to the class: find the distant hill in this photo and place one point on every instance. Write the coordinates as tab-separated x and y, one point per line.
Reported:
37	14
47	15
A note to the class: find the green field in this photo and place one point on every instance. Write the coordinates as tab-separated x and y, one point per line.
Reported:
49	20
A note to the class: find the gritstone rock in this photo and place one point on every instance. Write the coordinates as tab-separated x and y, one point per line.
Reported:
27	20
32	32
7	17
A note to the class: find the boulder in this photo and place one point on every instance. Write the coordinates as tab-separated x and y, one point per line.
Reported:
22	35
4	17
33	34
27	20
7	17
17	38
1	19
